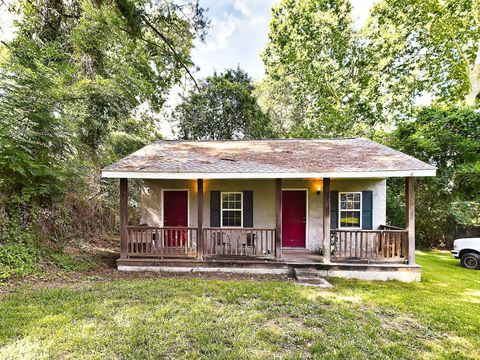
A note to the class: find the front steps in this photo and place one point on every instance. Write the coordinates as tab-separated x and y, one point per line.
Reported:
311	277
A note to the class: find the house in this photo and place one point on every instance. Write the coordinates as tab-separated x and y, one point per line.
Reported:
269	206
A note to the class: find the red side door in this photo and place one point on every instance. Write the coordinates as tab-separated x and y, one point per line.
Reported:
294	204
175	214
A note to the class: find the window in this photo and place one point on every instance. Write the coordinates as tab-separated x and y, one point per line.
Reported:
232	209
350	210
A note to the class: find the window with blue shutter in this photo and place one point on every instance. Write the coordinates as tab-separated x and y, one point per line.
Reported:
367	210
215	208
334	209
248	209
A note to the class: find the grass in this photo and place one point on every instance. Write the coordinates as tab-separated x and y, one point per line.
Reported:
193	317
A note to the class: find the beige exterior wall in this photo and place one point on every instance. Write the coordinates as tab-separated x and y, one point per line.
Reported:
263	200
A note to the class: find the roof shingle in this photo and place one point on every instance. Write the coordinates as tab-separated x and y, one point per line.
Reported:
312	156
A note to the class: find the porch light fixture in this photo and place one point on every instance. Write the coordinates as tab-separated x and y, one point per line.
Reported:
317	185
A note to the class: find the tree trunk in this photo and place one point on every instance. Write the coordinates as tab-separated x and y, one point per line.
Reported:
474	80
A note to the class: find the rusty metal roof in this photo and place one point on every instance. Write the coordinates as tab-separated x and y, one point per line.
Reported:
267	158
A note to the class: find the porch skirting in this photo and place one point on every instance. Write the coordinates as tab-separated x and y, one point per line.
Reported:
360	271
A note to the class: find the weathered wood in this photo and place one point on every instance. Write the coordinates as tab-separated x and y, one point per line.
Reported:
278	218
241	242
201	242
369	244
154	241
410	217
123	218
326	220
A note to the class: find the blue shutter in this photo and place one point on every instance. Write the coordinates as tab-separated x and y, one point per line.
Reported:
367	210
333	209
215	208
248	209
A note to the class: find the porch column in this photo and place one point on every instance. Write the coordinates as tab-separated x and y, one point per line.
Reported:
200	244
123	217
278	218
410	217
326	220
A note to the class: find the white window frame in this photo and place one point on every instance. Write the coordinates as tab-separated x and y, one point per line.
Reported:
340	210
240	210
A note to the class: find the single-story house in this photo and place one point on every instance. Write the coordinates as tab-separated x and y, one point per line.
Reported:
269	206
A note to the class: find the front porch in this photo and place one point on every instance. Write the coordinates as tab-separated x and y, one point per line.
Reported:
355	253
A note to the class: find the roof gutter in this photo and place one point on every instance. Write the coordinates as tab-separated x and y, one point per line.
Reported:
246	175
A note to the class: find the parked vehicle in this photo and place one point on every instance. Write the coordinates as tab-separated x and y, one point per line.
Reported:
468	251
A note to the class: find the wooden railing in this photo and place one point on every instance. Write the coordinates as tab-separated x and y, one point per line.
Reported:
248	242
370	244
149	241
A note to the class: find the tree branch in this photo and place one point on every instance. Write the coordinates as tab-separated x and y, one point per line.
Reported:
170	46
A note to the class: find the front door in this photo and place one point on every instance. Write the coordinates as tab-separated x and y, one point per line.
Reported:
175	214
294	207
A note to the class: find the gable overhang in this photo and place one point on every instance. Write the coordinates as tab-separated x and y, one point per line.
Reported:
374	174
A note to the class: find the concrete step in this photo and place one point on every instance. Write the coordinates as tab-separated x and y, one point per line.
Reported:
310	277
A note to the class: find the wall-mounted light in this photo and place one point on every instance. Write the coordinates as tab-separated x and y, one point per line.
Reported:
317	185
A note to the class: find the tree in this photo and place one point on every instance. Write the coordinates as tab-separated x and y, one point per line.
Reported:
313	52
73	82
448	138
75	72
426	46
223	107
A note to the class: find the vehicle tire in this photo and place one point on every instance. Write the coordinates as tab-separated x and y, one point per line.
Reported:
470	261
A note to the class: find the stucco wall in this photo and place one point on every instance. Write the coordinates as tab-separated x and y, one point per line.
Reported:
263	200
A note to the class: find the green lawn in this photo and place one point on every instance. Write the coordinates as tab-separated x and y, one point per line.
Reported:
192	317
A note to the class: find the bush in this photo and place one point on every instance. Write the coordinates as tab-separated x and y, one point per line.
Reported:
17	259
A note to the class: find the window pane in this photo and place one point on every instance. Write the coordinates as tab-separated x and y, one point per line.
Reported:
232	218
350	219
350	201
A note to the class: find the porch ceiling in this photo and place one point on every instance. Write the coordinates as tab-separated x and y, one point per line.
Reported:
312	158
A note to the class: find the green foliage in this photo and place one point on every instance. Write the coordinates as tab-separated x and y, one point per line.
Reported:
425	46
314	54
450	140
222	108
17	260
77	84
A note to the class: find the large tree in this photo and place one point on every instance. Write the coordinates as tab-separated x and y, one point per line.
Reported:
425	46
78	70
223	107
344	80
313	52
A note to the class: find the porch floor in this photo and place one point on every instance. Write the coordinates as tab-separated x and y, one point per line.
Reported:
301	256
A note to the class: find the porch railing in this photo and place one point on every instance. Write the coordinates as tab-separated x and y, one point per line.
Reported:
161	241
370	244
249	242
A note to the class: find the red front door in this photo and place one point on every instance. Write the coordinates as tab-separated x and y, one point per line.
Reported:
294	204
175	214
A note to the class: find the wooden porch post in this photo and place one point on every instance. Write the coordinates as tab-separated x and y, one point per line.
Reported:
200	245
326	220
278	218
123	217
410	217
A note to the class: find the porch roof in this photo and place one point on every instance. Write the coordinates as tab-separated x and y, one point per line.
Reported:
257	159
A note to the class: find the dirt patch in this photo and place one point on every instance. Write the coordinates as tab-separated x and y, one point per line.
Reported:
108	273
